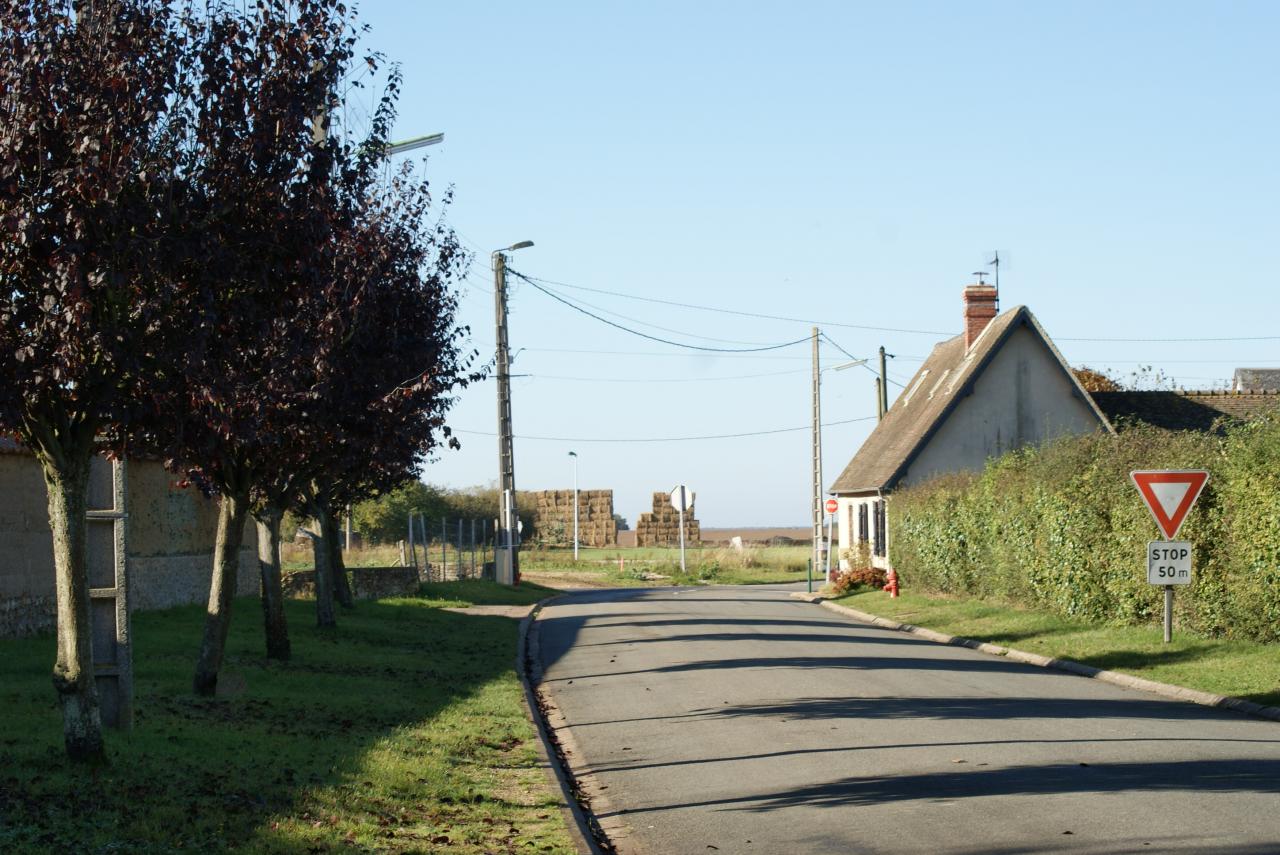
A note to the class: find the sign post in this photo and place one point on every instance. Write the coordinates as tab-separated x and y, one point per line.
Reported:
681	499
1169	495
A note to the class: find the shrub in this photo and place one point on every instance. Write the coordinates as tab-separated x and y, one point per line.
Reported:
1061	527
858	577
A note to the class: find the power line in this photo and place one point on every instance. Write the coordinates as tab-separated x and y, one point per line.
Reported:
669	438
738	312
793	371
656	326
590	314
1174	340
829	323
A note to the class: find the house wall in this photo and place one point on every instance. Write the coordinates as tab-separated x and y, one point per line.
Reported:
847	515
1022	397
170	542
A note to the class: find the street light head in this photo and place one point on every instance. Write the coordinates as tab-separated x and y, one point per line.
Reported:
845	365
573	454
524	244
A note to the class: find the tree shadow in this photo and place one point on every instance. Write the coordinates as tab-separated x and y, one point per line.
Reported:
1242	775
993	708
843	663
208	774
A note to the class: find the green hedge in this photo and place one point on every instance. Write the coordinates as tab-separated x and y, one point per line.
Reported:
1062	527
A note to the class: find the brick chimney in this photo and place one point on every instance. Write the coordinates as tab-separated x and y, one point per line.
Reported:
979	308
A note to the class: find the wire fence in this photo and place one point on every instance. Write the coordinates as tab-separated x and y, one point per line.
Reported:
448	549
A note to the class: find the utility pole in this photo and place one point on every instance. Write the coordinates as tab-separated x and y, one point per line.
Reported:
879	402
816	499
508	535
884	385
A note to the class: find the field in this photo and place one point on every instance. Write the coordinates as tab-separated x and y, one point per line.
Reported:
656	566
403	731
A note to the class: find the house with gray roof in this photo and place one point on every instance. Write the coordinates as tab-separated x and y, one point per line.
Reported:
998	386
1256	380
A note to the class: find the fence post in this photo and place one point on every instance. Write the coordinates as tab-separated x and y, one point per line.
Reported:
444	547
413	555
473	547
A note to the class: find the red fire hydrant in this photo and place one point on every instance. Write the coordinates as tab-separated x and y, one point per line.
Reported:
891	582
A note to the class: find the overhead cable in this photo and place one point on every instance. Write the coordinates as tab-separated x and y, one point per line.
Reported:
700	347
738	312
669	438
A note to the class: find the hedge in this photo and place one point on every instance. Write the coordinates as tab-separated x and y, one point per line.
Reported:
1062	527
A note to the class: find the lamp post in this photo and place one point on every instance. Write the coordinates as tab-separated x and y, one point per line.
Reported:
574	455
508	534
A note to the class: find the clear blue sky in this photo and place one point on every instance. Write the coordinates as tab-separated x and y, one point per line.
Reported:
846	162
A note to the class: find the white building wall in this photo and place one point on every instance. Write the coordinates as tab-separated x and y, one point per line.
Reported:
1022	397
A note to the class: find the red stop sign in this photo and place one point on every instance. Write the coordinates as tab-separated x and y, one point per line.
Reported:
832	505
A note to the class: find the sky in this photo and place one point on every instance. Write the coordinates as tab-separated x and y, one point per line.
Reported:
841	165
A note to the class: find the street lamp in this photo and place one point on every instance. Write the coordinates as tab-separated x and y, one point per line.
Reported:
574	455
508	570
411	144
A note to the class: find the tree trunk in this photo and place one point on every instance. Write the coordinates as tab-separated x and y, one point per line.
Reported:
68	487
222	590
277	628
324	581
332	538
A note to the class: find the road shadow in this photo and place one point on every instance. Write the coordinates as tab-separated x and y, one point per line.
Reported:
993	708
1201	776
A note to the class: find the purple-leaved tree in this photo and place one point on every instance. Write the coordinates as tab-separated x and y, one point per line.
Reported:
90	328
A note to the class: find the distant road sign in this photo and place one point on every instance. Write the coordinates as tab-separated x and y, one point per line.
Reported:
682	498
1170	494
832	506
1169	562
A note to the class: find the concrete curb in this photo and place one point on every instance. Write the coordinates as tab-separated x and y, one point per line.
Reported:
1128	681
583	830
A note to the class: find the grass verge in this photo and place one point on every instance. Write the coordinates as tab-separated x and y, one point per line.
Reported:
1241	669
402	731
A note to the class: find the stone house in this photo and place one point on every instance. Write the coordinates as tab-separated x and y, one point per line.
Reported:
168	549
998	386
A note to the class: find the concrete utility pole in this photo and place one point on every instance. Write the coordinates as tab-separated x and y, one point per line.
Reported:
879	402
884	385
816	499
508	565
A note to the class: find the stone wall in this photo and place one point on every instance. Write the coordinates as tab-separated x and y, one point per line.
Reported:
367	583
170	543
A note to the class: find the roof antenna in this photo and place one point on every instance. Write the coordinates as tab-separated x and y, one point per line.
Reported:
995	262
981	274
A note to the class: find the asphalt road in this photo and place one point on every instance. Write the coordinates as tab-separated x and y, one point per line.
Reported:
739	720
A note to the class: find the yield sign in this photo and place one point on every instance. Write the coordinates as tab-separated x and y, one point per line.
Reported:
1170	494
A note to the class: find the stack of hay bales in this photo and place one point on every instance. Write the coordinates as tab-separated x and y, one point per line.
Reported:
553	511
661	527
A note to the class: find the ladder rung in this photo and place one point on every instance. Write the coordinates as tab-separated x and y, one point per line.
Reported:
105	515
103	593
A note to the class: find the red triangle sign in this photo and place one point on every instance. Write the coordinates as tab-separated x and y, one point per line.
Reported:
1170	494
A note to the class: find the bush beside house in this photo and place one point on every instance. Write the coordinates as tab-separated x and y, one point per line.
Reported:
1061	527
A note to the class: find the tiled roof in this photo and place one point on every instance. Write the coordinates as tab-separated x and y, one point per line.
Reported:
918	412
1200	411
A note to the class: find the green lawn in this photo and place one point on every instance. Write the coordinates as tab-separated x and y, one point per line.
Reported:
654	566
1241	669
401	731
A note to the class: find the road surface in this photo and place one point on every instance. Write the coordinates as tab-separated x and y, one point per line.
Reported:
740	720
